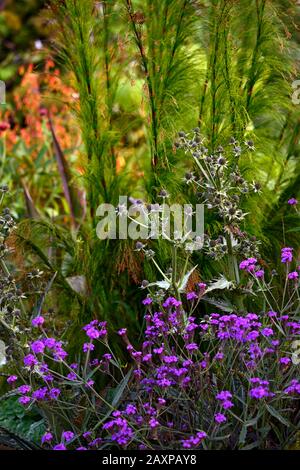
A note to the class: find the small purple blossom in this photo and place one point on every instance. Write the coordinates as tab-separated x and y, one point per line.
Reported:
67	435
60	446
30	360
287	255
220	418
11	379
47	437
24	400
292	201
23	389
38	321
293	275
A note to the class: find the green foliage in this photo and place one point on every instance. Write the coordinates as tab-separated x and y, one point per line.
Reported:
16	419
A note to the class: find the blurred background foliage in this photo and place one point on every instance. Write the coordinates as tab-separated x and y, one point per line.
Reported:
21	30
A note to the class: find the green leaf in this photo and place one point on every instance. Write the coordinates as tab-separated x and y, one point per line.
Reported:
277	415
119	390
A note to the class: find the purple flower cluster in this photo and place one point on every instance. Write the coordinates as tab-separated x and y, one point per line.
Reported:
194	441
213	364
96	330
287	255
260	388
120	431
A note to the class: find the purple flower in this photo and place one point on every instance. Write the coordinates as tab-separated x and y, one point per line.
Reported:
293	275
224	395
24	389
287	255
153	423
292	201
30	360
60	446
194	441
202	286
272	314
284	360
258	392
54	393
219	356
220	418
38	321
170	359
92	333
11	379
267	332
67	435
191	296
122	332
50	343
259	274
37	347
147	301
40	394
72	376
171	302
248	264
24	400
47	437
227	404
192	347
130	410
88	347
